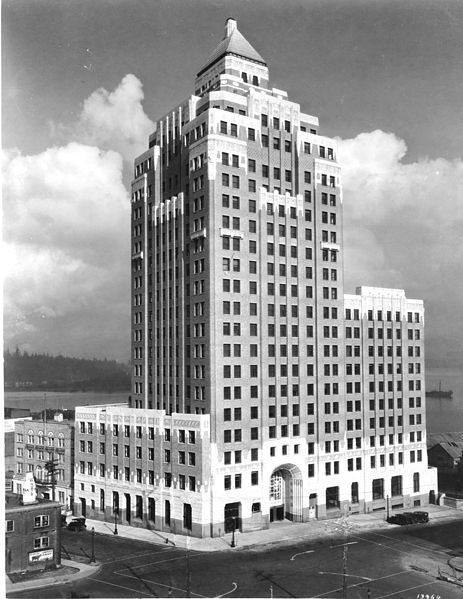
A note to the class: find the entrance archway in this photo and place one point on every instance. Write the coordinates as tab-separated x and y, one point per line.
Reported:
285	494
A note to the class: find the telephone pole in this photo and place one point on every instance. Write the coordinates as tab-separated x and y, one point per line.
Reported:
50	467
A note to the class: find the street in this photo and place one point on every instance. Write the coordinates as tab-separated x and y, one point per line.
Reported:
396	562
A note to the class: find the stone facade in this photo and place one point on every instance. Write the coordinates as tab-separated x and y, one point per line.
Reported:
239	314
143	467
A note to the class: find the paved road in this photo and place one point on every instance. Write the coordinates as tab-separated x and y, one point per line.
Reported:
396	563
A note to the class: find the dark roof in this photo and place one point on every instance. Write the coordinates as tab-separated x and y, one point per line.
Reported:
436	438
453	449
13	502
235	44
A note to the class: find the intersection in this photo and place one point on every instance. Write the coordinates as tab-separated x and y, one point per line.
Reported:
399	562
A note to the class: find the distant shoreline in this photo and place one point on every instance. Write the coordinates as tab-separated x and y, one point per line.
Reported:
64	390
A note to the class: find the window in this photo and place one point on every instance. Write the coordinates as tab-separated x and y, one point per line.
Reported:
332	497
41	542
9	525
40	521
396	485
378	488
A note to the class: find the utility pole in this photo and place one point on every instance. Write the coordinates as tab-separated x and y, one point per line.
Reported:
188	572
344	569
50	467
343	525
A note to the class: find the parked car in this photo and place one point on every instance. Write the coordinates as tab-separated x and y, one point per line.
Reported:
402	519
77	524
409	518
421	517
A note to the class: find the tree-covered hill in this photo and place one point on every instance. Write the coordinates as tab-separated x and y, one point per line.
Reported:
58	373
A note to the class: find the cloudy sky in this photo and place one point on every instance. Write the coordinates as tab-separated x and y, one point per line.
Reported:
83	82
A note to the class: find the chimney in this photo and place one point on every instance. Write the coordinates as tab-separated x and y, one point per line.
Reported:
230	27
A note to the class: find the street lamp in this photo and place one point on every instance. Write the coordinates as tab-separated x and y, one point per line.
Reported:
233	544
115	523
387	507
92	559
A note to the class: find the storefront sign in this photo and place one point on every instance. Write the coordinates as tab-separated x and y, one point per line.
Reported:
40	556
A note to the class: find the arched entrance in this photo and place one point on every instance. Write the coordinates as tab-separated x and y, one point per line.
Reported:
285	494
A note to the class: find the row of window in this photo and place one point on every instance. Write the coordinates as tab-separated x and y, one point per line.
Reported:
237	480
283	289
412	334
355	369
40	439
380	386
40	455
117	430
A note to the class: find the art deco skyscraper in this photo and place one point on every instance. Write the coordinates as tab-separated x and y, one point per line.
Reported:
239	325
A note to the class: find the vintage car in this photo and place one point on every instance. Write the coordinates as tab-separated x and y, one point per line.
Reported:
409	518
77	524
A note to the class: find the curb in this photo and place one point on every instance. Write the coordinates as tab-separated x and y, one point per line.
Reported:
84	570
358	523
456	563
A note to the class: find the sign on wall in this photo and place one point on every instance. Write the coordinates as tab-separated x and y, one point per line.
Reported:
40	556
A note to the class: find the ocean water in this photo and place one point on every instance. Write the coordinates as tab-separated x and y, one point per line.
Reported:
442	415
38	400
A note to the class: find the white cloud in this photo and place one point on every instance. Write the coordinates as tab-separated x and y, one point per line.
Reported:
66	238
403	227
116	119
67	230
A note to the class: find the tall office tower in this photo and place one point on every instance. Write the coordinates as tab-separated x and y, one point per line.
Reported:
238	317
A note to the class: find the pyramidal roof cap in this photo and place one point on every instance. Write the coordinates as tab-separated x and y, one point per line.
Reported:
233	43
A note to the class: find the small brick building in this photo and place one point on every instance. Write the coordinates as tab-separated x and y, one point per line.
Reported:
32	530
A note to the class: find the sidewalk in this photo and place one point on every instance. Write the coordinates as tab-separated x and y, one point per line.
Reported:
279	531
70	571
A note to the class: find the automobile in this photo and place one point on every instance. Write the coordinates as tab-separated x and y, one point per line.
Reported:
409	518
77	524
421	517
402	519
